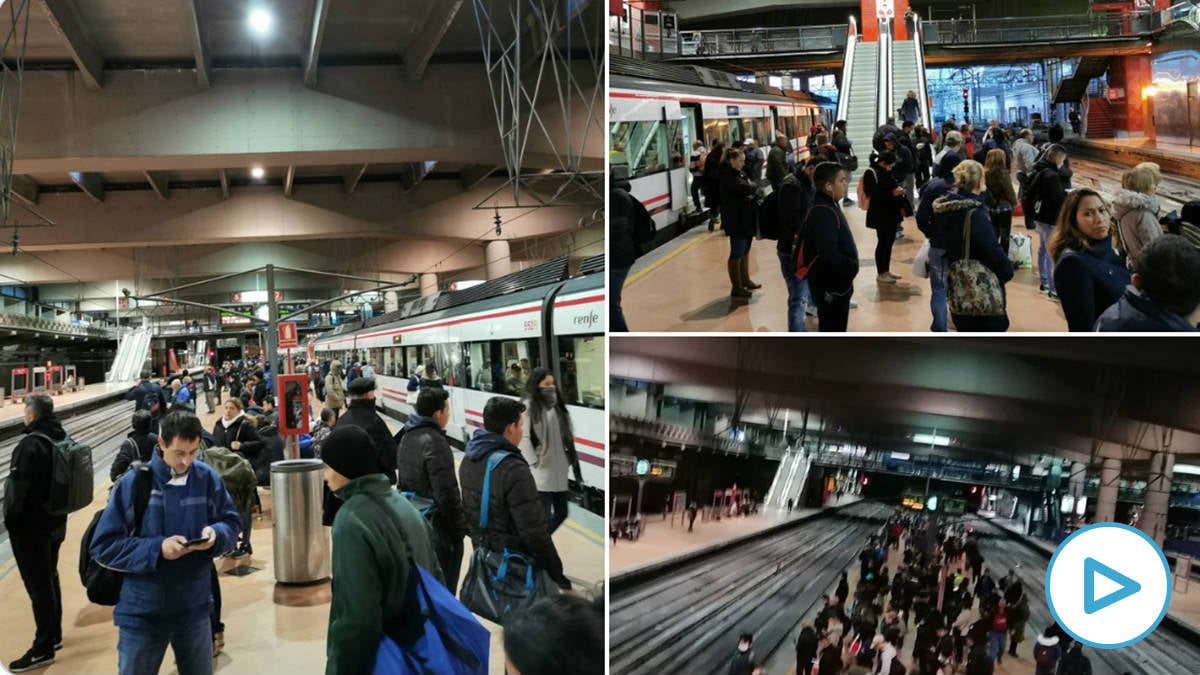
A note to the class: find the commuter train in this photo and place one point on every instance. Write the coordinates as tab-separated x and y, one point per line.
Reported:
655	116
484	341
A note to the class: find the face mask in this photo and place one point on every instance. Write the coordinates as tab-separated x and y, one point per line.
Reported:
549	395
743	646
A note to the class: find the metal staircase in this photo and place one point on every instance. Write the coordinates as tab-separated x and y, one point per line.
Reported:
1072	89
132	356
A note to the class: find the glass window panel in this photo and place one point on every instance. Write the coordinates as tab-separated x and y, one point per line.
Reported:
581	364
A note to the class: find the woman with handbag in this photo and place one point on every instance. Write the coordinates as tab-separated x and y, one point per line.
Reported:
978	268
1089	274
1001	198
236	432
549	444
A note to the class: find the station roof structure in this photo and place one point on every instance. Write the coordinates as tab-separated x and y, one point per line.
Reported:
163	142
999	399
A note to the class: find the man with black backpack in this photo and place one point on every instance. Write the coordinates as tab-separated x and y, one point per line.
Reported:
37	534
149	396
630	228
426	467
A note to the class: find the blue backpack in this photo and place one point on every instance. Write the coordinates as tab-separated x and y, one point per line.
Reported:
451	639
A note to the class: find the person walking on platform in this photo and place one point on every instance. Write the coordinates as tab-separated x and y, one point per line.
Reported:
235	431
754	160
883	214
777	159
1089	274
629	229
696	171
376	533
212	389
36	534
1075	120
425	465
692	510
1044	196
739	220
934	190
827	255
516	517
549	444
166	597
149	396
744	661
335	393
1024	156
713	162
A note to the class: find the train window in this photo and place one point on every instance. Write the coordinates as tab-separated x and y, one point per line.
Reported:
581	369
482	366
641	145
519	357
675	133
716	129
447	361
412	359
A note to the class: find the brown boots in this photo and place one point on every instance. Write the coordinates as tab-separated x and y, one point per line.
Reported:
738	289
739	277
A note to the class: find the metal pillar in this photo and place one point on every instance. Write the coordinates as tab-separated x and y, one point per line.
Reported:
1106	498
497	258
429	284
1158	491
523	56
12	73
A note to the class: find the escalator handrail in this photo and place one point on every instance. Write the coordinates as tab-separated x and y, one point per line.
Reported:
883	87
847	67
918	39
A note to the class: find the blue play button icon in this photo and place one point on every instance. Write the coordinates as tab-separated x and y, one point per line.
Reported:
1093	567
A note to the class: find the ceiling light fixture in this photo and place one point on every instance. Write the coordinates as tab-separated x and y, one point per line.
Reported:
257	173
931	439
260	20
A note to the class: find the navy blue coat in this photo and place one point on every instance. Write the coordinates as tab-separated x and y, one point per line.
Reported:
1089	282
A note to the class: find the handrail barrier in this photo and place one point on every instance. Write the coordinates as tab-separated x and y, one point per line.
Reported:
847	69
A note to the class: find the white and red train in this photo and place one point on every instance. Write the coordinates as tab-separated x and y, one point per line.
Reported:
484	341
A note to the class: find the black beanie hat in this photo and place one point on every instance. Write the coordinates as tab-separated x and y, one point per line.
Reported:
350	451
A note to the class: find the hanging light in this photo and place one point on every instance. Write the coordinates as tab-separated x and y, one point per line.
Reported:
499	223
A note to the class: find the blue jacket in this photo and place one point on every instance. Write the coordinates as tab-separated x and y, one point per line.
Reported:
1135	313
938	187
157	591
1089	282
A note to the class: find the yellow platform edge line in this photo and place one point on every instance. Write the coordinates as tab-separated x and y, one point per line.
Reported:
591	536
659	263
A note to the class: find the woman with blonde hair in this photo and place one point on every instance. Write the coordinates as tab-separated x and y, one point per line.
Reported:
1001	198
1089	274
910	110
335	391
1135	207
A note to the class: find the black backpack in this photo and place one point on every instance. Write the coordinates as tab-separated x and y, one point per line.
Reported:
1030	199
71	475
152	402
103	585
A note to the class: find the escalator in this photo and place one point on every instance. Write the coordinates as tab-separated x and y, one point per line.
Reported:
858	109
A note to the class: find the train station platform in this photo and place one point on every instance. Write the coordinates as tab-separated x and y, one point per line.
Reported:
269	628
1185	599
662	543
12	416
1174	158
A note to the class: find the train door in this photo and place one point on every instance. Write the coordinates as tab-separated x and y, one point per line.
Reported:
1193	107
693	130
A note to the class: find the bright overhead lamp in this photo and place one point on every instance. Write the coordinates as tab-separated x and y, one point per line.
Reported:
260	20
1189	469
931	439
257	173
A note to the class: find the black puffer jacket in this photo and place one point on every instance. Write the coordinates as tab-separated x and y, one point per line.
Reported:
361	413
629	225
426	467
135	448
516	519
1048	191
878	184
28	486
738	218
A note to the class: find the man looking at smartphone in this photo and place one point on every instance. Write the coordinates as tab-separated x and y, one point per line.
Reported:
167	593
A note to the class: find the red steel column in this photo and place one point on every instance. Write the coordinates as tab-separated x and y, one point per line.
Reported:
1132	74
870	23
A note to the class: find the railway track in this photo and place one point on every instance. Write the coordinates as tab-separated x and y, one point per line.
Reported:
1105	177
686	620
1163	652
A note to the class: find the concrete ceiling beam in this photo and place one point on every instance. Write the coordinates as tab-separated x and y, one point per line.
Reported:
159	182
200	46
65	17
92	184
438	18
316	34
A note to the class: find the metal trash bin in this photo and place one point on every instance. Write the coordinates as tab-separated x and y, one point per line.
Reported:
301	545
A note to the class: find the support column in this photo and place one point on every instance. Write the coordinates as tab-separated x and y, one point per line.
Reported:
1132	74
1158	493
1106	498
429	284
391	302
497	258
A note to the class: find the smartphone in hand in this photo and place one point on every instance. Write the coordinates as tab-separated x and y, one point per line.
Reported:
195	542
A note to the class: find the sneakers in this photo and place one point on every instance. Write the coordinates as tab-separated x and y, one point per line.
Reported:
810	310
1053	296
894	276
1042	288
885	278
58	645
31	661
242	552
218	644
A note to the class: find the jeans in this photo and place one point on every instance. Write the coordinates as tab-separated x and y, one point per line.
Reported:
798	294
247	525
141	650
1002	221
36	554
449	551
215	620
833	308
937	290
696	191
1045	263
995	644
738	247
883	246
555	504
210	398
616	281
